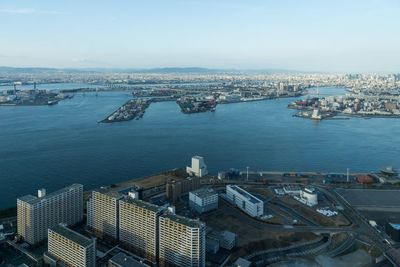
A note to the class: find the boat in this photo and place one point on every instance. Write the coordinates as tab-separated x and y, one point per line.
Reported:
52	102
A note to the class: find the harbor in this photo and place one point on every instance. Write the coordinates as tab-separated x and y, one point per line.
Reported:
132	109
258	126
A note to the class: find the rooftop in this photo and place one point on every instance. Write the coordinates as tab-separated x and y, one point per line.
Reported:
109	192
204	192
127	261
184	220
240	262
246	194
142	204
310	190
72	235
34	200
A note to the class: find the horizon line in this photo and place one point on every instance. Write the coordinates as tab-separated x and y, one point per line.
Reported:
232	69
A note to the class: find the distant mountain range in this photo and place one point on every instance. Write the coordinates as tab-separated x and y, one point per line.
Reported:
183	70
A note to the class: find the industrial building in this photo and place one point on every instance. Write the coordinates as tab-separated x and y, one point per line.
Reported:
182	241
69	248
176	188
35	215
102	213
203	200
310	196
198	168
245	201
123	260
138	224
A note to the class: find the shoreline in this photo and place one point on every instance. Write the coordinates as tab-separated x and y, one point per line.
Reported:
158	181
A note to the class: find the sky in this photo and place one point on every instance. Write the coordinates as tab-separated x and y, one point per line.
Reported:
305	35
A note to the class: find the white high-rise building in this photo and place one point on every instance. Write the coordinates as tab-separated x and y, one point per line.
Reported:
35	215
198	168
181	241
69	248
138	224
103	214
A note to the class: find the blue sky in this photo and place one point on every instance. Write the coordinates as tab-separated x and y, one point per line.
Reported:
316	35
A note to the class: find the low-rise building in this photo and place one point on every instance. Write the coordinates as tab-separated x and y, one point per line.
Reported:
123	260
240	262
245	201
226	239
203	200
309	195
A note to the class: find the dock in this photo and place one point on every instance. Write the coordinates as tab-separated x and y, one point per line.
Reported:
132	109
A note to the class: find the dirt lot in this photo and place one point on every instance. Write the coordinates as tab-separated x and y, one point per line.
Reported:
251	236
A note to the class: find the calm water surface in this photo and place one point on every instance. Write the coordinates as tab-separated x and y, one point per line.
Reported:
55	146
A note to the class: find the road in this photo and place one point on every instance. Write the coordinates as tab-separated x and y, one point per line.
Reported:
360	224
256	223
364	228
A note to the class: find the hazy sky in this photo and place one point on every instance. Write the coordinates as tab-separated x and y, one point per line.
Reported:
318	35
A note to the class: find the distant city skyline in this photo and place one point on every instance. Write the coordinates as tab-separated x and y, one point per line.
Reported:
306	35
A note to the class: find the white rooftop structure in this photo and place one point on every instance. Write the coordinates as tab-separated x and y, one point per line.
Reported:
310	196
198	168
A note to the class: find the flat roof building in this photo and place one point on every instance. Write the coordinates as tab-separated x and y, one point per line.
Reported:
35	215
198	168
182	241
176	188
245	201
203	200
102	211
71	248
123	260
226	239
138	227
